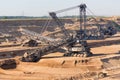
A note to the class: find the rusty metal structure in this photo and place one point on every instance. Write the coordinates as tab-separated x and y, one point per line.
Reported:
76	44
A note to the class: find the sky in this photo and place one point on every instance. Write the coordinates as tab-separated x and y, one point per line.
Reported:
43	7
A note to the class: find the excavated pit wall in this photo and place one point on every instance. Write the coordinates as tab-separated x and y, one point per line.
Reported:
11	26
111	63
38	22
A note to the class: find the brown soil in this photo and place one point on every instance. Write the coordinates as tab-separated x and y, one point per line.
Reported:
51	66
56	67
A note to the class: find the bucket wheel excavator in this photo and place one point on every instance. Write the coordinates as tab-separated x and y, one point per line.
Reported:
76	44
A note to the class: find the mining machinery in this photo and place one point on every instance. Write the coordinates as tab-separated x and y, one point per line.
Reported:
35	38
76	44
108	30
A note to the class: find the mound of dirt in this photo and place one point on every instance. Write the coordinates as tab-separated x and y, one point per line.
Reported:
8	64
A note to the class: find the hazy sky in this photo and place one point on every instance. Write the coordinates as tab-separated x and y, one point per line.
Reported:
42	7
